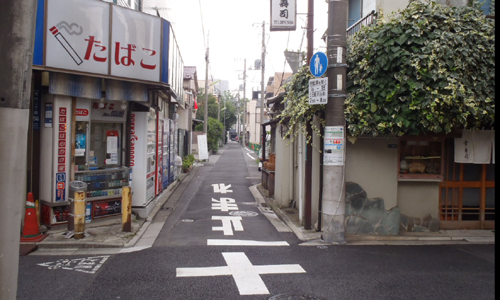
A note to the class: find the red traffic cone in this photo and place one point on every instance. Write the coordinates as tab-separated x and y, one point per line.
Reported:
30	227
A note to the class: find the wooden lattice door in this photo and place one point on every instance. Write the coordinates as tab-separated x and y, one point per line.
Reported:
467	194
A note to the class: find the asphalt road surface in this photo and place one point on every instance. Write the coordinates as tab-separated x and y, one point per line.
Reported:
217	244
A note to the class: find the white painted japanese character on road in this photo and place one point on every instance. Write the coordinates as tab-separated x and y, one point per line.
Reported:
86	265
224	204
226	224
222	188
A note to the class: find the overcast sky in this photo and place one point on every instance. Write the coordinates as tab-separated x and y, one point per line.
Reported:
234	30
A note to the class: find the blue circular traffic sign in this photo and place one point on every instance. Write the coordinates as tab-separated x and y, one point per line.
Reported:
318	64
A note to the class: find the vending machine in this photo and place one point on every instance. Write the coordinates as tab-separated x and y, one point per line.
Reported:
166	153
172	146
143	157
159	161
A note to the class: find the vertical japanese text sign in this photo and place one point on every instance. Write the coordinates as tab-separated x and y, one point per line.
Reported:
283	15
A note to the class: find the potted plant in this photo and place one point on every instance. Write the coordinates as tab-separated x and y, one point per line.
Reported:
187	163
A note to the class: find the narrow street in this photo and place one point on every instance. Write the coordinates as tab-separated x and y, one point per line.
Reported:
217	243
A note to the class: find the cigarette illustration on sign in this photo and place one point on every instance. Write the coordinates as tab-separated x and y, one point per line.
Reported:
62	40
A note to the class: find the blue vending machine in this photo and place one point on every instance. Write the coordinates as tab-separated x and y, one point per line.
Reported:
166	153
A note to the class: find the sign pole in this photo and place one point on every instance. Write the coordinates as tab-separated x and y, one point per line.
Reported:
17	32
333	202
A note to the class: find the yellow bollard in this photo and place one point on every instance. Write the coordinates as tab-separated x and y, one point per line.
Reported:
79	217
126	209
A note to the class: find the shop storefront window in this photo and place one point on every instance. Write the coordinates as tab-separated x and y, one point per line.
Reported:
105	145
420	159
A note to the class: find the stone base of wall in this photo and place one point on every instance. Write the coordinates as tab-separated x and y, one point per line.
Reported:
411	224
368	215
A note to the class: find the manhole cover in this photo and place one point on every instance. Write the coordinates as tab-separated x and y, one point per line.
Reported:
244	213
187	220
293	297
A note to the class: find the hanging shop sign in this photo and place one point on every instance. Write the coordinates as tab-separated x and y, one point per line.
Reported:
283	15
103	38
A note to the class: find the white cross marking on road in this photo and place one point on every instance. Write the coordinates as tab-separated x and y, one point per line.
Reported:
246	275
226	224
222	188
225	204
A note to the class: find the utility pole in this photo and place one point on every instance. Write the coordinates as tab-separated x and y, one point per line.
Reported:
238	119
308	175
262	93
17	32
333	204
205	123
218	107
245	102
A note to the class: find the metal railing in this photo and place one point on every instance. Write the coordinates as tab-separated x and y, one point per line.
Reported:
366	20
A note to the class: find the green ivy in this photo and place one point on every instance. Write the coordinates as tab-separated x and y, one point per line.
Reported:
431	68
297	109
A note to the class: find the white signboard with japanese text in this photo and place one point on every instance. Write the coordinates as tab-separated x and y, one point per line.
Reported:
77	35
202	147
334	146
318	91
136	44
283	15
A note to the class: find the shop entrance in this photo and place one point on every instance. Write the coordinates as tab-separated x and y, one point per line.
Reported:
467	194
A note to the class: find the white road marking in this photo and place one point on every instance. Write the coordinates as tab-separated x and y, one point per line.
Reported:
224	204
250	156
85	265
226	224
222	188
224	242
133	249
246	275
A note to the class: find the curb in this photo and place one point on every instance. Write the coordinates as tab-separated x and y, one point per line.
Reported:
313	238
164	199
82	244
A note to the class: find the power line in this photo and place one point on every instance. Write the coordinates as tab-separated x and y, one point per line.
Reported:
202	27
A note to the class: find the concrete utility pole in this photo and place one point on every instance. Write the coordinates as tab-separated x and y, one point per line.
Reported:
245	102
17	32
308	175
262	92
205	123
333	204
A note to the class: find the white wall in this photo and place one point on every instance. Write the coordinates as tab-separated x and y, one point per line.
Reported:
284	164
416	199
253	128
372	165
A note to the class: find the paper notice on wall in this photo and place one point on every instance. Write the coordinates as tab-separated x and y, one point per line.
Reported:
112	144
334	144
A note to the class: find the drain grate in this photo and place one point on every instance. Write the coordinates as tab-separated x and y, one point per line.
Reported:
293	297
